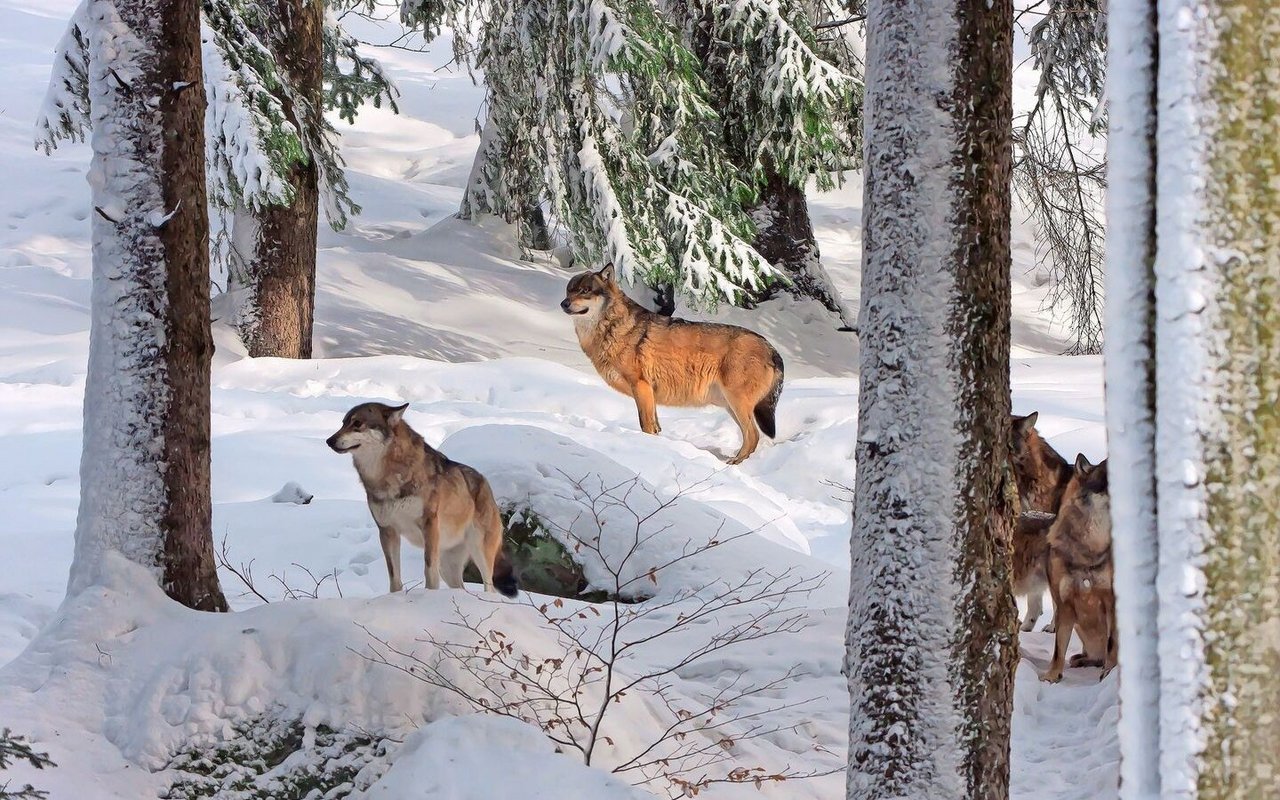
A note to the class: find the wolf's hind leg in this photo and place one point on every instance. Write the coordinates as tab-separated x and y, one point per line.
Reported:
742	412
391	551
483	560
1035	607
452	564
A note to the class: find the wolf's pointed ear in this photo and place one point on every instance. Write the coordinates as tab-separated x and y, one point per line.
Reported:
1083	467
396	414
607	272
1024	424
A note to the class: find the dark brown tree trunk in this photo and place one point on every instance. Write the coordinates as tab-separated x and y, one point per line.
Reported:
987	644
144	490
280	308
932	624
190	573
535	234
784	236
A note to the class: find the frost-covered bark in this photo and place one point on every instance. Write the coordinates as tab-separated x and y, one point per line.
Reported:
145	467
1130	380
931	639
1218	380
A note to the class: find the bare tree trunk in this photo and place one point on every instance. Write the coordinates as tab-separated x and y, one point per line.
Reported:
931	639
145	466
278	308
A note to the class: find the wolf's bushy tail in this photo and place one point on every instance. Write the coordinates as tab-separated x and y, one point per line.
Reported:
504	576
766	409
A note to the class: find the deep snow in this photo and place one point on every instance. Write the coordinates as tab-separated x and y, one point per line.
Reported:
416	306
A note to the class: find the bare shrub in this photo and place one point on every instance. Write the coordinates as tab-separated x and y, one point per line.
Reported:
603	654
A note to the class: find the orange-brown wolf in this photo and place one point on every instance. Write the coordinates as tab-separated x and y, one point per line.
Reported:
1081	578
415	492
659	360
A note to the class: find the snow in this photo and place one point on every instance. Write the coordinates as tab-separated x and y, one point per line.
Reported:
416	306
465	748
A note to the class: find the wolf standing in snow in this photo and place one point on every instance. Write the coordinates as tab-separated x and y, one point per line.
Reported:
1042	476
673	362
1081	578
415	492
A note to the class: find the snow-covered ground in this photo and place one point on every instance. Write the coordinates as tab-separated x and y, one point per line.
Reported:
416	306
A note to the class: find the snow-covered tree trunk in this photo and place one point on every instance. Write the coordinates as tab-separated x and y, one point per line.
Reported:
1212	729
277	303
1129	319
145	467
931	644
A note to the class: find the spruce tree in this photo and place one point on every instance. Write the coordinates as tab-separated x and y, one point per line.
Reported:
783	112
601	110
269	149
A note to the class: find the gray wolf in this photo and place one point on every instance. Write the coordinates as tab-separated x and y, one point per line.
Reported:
659	360
415	492
1081	578
1042	476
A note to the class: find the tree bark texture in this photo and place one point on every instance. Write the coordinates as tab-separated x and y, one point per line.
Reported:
145	466
931	645
279	311
1217	281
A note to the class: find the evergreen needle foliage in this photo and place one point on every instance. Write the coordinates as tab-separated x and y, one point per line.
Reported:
601	109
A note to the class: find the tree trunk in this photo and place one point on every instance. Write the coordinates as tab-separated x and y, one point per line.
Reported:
278	306
145	467
1129	344
1213	596
784	236
535	234
931	644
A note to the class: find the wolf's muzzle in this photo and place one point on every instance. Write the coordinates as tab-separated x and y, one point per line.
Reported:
332	441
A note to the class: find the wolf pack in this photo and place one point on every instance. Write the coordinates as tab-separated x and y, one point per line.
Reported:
1062	541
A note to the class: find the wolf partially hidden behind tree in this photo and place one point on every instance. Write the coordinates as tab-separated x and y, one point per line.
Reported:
1042	476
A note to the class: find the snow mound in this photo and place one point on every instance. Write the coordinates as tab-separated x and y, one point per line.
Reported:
586	497
491	758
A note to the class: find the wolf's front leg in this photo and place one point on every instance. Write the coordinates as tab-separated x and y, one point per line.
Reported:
431	551
391	551
1064	618
647	407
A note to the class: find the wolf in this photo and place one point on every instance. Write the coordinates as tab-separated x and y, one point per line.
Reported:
415	492
1081	578
1042	476
659	360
